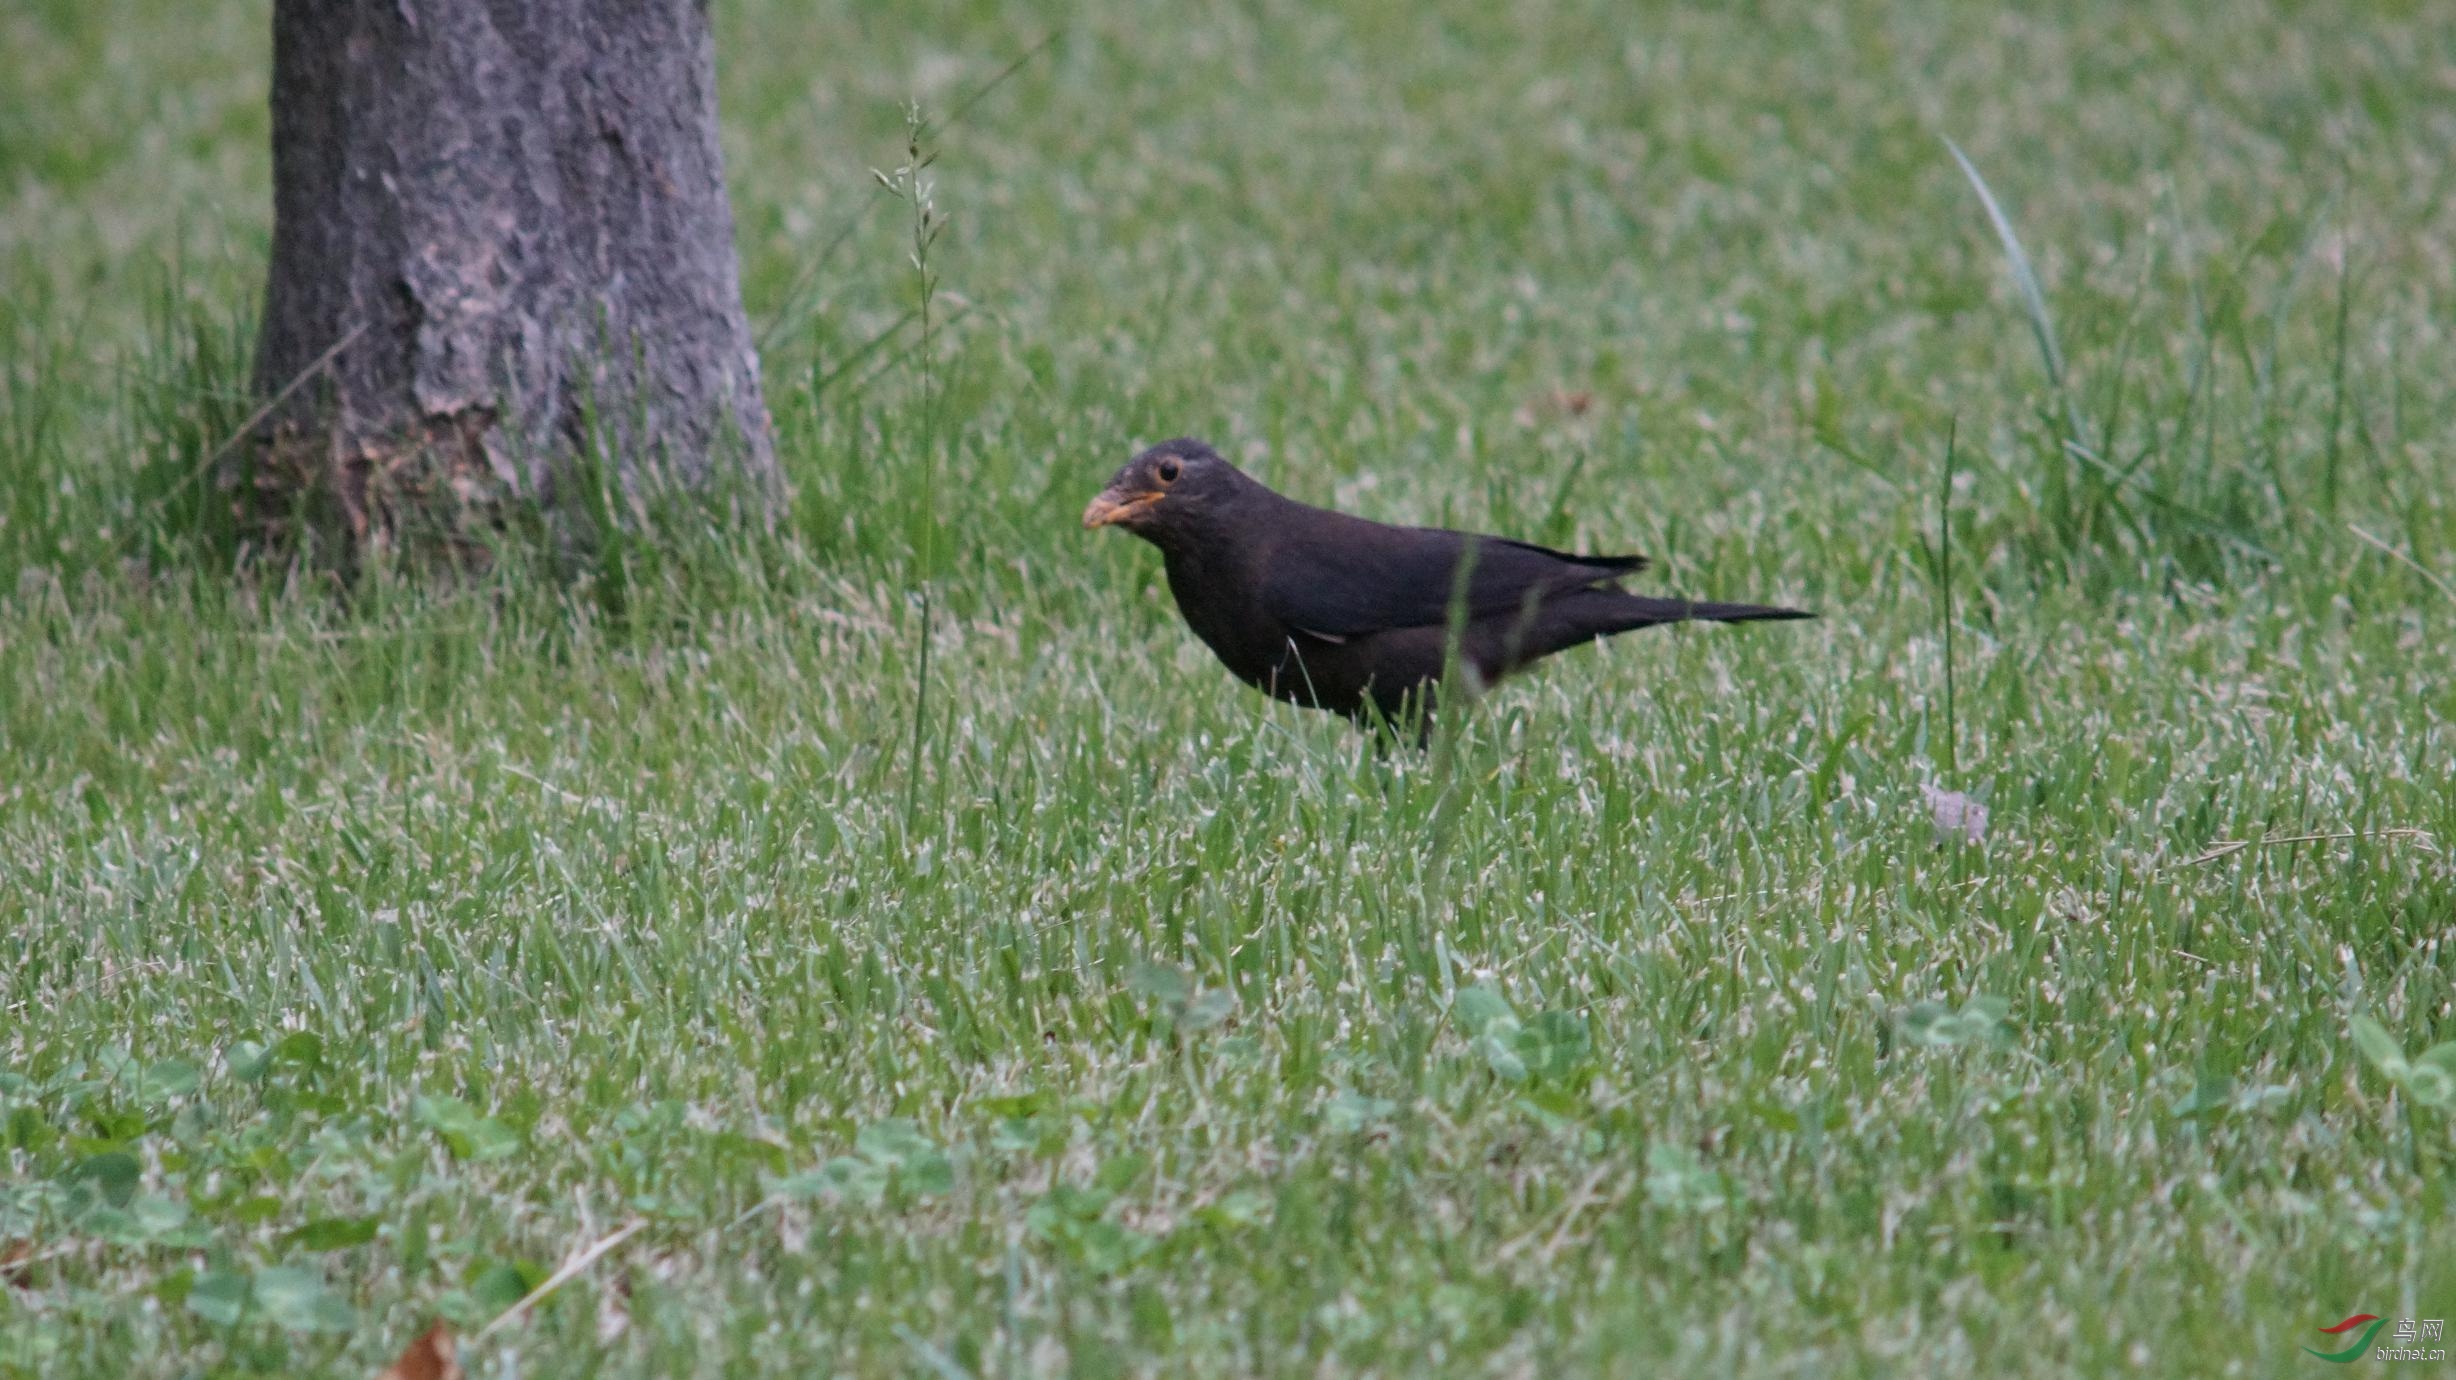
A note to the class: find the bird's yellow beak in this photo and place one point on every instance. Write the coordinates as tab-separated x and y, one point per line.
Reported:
1113	506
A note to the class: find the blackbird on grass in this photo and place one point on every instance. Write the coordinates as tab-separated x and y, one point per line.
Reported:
1322	609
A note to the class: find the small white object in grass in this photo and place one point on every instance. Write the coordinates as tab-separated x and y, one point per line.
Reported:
1956	813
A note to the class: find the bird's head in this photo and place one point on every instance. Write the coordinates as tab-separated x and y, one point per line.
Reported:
1169	490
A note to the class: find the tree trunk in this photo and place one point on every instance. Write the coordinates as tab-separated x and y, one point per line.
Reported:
500	245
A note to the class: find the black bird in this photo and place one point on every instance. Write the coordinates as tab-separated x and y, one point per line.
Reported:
1323	609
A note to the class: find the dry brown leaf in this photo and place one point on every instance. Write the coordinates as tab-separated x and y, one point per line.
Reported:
432	1357
15	1258
1555	404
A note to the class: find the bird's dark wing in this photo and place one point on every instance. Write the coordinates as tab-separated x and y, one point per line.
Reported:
1351	577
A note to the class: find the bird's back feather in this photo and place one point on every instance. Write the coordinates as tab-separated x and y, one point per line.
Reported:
1348	576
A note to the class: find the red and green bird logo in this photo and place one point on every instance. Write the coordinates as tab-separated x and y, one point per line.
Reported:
2355	1351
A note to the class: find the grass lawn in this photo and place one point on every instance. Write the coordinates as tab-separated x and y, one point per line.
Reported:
364	959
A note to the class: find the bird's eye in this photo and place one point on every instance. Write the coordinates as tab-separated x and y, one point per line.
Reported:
1168	470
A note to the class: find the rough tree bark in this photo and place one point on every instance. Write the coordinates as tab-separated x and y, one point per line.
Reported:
513	212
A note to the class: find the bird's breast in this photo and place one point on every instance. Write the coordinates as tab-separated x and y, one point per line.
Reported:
1222	604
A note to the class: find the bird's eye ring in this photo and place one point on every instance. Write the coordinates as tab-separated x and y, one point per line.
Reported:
1168	470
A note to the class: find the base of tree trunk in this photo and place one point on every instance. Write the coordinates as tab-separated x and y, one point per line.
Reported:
502	264
430	499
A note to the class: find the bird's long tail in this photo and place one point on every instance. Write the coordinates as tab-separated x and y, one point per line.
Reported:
1588	614
1627	611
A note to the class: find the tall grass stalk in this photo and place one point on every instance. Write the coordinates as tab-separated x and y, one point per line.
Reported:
797	307
1944	595
2330	472
913	185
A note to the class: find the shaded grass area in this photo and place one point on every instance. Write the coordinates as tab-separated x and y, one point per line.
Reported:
369	955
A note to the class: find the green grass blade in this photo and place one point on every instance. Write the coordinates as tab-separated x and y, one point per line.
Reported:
2025	278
